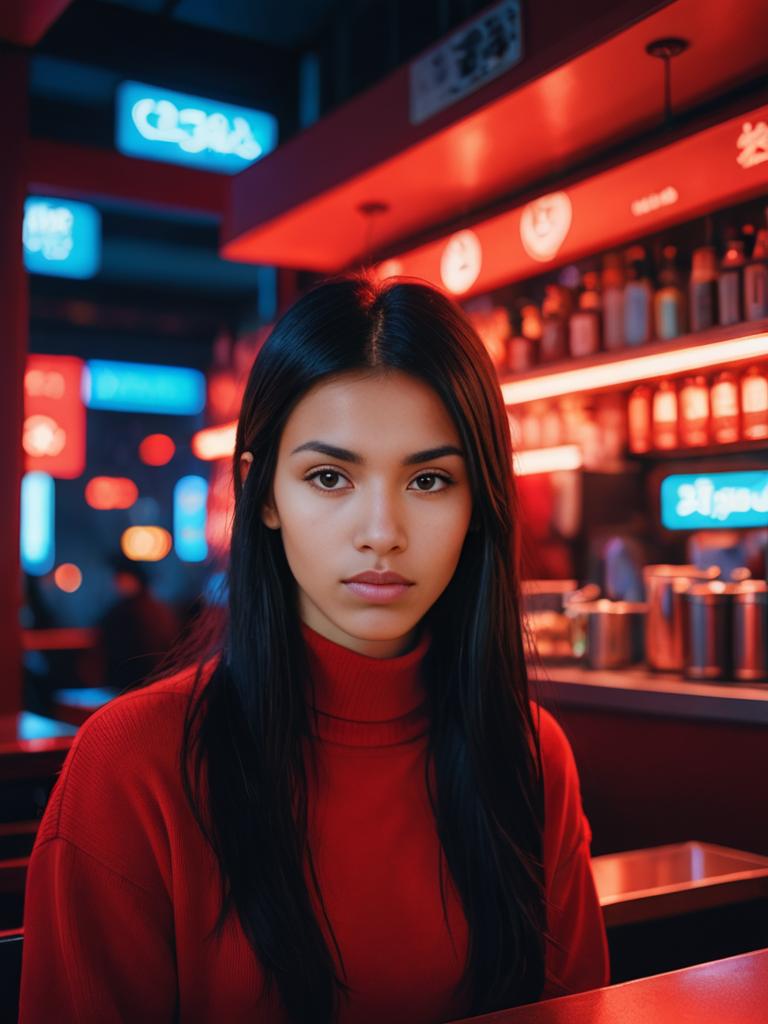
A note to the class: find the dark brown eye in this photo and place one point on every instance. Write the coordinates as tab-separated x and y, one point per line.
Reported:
431	477
324	475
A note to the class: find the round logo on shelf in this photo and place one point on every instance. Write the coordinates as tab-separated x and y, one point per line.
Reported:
544	225
461	261
389	268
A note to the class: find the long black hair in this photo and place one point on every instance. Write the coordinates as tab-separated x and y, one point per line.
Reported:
247	717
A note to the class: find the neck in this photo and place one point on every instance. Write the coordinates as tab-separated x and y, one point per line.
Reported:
362	700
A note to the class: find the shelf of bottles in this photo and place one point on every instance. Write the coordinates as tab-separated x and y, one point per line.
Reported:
660	349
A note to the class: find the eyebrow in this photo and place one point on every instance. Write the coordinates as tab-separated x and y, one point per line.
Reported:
345	455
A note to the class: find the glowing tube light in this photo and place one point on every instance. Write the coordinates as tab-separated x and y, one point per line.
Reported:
190	498
547	460
215	442
143	387
636	368
37	523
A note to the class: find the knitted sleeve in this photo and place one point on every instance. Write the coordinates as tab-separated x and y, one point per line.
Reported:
98	915
577	956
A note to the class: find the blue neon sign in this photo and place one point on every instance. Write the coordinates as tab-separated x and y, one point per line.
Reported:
158	124
143	387
37	523
714	501
61	238
190	501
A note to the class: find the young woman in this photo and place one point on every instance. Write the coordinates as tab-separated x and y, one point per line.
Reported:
349	810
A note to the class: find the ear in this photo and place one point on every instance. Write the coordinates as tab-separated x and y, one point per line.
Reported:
246	460
269	514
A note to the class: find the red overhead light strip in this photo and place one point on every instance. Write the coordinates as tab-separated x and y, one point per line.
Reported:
616	371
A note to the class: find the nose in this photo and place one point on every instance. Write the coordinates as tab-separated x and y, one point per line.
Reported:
381	526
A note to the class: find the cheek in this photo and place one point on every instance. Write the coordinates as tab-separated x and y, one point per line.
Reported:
306	528
442	535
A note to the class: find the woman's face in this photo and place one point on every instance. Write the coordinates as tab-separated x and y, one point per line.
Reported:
371	507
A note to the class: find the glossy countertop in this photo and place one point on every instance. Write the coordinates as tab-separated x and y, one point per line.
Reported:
636	689
730	991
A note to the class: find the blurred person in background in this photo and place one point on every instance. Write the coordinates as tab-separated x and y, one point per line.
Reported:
137	632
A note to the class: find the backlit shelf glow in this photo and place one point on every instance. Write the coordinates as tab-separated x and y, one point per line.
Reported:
547	460
615	372
215	442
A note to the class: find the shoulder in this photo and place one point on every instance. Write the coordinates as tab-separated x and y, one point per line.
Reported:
124	758
136	720
558	763
565	824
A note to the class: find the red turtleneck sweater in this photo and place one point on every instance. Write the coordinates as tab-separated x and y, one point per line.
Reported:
122	887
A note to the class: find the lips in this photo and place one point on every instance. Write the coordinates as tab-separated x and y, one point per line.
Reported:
379	578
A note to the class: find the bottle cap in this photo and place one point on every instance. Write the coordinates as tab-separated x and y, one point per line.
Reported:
613	270
704	263
530	326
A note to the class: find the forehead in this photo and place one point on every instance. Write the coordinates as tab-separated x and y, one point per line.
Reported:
392	410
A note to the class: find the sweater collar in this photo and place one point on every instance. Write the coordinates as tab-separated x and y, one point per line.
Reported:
365	701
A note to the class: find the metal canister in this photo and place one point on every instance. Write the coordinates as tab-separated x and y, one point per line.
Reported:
707	630
664	626
610	629
750	630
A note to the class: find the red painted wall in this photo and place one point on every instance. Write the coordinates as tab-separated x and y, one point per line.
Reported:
13	307
650	780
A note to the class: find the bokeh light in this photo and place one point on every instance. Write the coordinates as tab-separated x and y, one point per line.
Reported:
110	492
157	450
146	543
67	577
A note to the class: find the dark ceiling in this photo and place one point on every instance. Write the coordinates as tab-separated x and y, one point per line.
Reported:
274	22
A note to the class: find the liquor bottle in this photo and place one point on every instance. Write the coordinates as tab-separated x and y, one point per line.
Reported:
756	279
585	326
530	425
639	419
551	426
703	288
554	329
754	404
730	286
664	416
515	430
521	347
611	418
638	298
669	300
694	412
613	301
724	402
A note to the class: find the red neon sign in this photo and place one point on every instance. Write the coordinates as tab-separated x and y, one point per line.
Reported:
722	164
54	416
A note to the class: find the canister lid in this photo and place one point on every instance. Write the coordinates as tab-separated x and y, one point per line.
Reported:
711	592
604	606
751	592
691	572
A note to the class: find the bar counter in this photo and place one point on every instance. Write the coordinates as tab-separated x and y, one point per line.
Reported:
730	991
636	689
